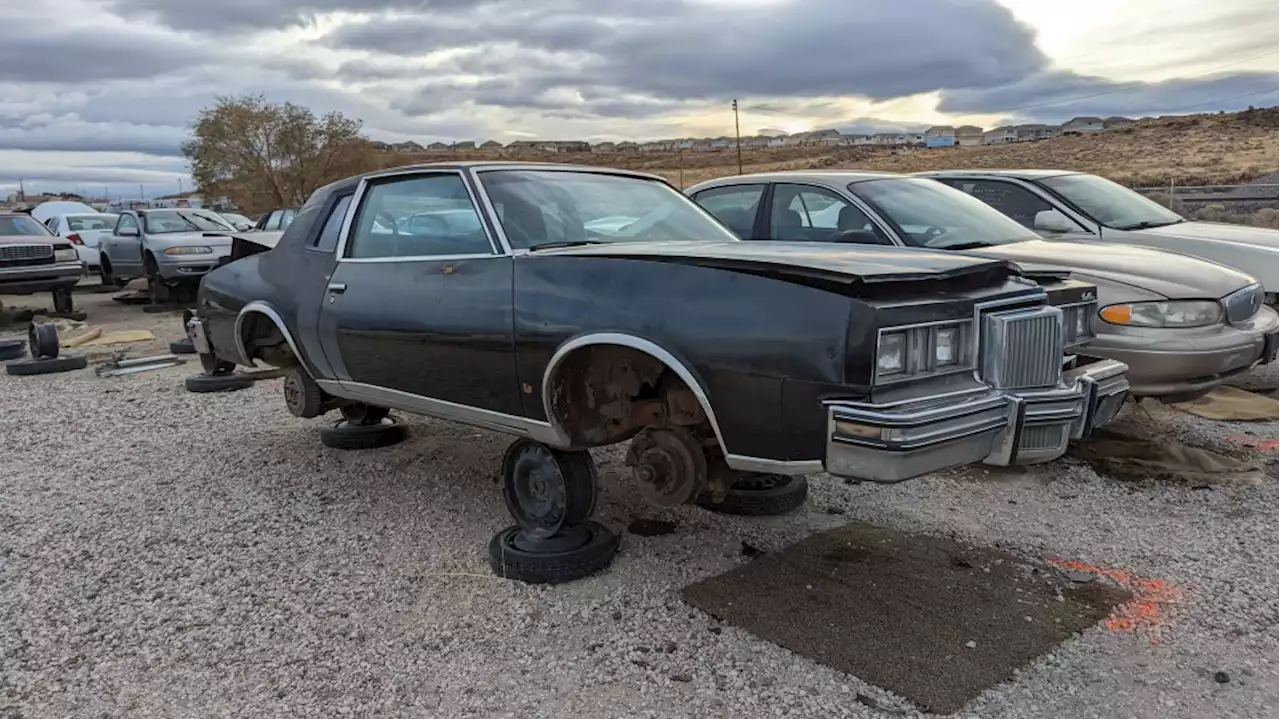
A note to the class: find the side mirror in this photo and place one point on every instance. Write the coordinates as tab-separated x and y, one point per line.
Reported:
1052	221
128	232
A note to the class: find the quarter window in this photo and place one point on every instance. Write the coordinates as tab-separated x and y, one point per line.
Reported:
417	216
735	206
327	240
1014	202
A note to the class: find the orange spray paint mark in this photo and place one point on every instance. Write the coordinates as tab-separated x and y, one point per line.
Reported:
1149	609
1262	445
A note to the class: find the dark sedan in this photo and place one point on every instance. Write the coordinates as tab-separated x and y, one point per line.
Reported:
576	307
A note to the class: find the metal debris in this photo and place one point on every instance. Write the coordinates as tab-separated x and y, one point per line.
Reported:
121	365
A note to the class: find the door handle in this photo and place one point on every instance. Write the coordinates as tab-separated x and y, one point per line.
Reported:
337	287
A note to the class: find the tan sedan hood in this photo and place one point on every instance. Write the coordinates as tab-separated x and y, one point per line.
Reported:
1166	274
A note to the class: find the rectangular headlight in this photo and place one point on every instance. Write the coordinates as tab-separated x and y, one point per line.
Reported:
65	255
946	346
891	357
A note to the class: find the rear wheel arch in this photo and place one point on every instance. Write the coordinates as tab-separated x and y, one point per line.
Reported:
261	333
662	373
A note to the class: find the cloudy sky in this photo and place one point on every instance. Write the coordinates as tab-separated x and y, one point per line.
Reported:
98	94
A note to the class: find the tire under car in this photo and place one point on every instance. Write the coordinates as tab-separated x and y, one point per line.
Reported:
228	382
345	434
761	495
584	550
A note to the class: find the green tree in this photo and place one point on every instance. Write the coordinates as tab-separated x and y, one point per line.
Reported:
264	155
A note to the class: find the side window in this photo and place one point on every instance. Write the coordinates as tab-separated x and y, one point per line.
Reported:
126	222
1015	202
273	220
735	206
327	240
417	216
802	213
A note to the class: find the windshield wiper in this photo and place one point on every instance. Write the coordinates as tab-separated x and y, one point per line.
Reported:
571	243
963	246
1148	224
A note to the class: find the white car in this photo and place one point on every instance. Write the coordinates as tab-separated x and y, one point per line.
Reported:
1074	206
85	232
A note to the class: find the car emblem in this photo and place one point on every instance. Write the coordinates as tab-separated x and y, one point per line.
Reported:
1088	295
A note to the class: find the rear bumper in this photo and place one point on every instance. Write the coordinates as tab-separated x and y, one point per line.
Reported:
39	278
891	443
1169	363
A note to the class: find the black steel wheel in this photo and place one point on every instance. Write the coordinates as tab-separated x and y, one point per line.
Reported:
159	292
302	395
42	338
574	553
107	277
62	301
47	365
546	490
226	382
361	413
12	349
347	435
760	495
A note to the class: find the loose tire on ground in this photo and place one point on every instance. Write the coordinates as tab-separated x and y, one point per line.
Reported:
508	559
761	495
182	347
12	349
29	367
42	338
229	382
345	435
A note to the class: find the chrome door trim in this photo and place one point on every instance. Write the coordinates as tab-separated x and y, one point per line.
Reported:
744	463
442	409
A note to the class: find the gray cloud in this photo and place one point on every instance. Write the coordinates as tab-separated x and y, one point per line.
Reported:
258	15
1056	96
50	51
872	126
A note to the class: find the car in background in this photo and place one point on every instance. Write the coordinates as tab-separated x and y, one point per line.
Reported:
277	219
85	232
1082	208
172	248
33	259
238	221
1183	325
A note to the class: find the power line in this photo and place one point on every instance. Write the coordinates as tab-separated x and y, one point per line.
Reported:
1223	99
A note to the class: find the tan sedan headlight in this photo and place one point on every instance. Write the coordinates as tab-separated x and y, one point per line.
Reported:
188	250
67	254
1172	314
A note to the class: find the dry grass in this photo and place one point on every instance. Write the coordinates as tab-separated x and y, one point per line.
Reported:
1188	149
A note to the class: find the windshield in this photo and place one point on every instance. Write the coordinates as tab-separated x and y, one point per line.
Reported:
16	225
1108	203
80	223
930	214
233	217
541	207
164	221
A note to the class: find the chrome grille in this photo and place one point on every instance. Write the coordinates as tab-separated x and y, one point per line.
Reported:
25	253
1042	437
1242	305
1022	349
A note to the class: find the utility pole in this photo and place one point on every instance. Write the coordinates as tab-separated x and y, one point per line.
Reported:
142	194
737	132
179	185
680	154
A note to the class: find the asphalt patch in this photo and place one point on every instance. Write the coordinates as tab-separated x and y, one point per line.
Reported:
928	618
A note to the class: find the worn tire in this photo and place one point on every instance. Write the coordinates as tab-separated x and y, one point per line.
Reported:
42	339
229	382
12	349
761	495
510	562
302	396
182	347
29	367
343	435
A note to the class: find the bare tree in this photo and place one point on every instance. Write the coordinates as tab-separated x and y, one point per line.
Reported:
263	155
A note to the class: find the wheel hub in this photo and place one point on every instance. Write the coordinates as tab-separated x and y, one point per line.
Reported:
668	465
536	490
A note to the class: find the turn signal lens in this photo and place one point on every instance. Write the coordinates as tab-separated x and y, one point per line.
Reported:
1117	314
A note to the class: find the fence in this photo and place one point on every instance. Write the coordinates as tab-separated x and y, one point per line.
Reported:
1260	194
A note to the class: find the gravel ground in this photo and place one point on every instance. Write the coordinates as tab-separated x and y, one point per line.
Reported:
166	554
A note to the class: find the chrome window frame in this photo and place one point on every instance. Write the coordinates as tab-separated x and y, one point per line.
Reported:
357	203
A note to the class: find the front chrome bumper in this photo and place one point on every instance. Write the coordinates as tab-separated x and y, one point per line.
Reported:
894	442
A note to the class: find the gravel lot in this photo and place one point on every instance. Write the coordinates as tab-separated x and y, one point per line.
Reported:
167	554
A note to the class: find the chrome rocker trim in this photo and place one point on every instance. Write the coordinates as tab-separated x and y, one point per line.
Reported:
892	443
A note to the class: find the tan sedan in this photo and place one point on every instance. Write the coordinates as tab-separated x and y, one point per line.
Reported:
1182	324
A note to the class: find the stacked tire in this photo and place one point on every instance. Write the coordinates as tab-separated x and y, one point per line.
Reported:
42	341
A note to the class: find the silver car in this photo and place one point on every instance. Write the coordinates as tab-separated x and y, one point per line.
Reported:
172	248
1183	325
1079	207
